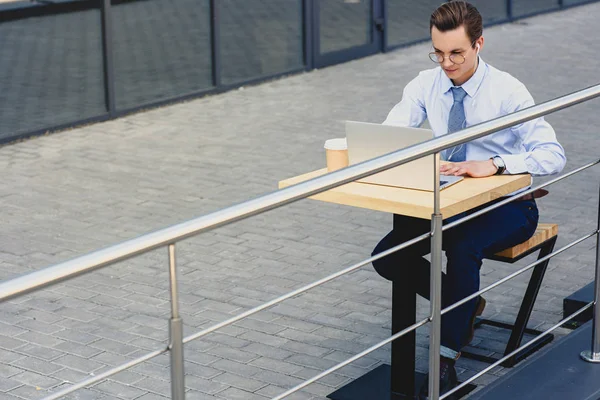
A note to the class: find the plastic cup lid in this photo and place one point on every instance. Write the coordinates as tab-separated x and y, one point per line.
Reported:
336	144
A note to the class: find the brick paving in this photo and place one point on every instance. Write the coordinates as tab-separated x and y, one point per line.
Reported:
72	192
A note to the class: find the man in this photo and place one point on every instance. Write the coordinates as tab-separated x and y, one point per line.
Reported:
463	91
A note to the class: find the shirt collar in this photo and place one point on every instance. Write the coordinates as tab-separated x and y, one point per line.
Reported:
472	85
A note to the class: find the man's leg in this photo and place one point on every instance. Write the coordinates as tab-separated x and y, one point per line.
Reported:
406	265
466	246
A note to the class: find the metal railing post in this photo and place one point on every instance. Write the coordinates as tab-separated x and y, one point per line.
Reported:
593	355
175	334
435	288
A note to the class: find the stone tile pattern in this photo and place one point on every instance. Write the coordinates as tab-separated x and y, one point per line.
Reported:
76	191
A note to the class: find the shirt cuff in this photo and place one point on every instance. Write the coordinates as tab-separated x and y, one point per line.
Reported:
515	163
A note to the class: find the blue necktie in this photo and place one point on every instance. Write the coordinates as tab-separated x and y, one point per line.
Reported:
456	122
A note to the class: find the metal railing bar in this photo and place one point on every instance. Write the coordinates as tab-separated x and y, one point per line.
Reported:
517	273
353	358
513	198
447	309
506	357
89	262
304	288
105	374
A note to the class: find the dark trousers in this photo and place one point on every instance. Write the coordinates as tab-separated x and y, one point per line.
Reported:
466	245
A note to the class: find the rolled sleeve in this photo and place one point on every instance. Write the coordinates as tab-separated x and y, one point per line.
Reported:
542	154
411	109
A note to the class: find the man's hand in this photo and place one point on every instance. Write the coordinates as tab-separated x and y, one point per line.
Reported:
475	169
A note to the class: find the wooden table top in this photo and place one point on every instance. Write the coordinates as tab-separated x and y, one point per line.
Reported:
462	196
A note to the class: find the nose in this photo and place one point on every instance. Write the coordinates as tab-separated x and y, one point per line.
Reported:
447	63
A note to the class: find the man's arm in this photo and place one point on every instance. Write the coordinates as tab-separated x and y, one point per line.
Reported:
543	154
411	109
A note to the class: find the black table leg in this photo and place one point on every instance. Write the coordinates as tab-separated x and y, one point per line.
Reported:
398	381
404	303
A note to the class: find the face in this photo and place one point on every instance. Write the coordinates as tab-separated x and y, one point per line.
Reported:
456	42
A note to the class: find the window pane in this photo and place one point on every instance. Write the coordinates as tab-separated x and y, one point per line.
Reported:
161	48
524	7
344	24
408	20
491	10
571	2
259	38
51	69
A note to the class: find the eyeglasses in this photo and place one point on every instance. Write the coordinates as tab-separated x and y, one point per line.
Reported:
456	58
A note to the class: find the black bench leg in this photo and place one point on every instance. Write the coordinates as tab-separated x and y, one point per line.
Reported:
531	293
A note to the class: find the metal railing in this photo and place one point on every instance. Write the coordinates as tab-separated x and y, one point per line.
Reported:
169	236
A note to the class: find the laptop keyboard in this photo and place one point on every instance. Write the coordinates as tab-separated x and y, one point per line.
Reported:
443	183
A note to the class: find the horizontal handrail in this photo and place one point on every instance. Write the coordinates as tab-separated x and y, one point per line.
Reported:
400	247
163	237
512	353
305	288
423	322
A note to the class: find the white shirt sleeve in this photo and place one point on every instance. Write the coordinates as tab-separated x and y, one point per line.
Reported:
542	154
411	109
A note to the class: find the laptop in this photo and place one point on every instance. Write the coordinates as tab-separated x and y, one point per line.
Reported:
367	141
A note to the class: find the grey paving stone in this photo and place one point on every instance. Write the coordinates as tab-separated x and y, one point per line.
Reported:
29	392
204	385
270	351
235	393
7	384
201	370
33	337
35	380
276	365
240	382
83	189
333	380
155	386
78	363
37	365
232	354
152	396
120	390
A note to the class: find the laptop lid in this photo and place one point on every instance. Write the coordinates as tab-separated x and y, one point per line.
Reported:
367	141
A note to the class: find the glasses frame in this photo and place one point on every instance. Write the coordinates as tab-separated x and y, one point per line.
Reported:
434	56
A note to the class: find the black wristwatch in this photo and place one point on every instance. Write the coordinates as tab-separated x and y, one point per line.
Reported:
499	163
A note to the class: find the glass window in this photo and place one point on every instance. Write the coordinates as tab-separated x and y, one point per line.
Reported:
492	10
259	38
161	49
571	2
51	68
344	24
524	7
408	21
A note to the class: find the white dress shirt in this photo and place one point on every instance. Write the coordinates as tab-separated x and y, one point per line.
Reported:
528	147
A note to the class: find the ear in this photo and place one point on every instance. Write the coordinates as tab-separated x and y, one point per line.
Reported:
479	44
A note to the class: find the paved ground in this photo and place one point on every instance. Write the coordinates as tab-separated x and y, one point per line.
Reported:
76	191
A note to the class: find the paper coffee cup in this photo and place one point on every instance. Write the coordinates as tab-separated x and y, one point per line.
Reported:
336	153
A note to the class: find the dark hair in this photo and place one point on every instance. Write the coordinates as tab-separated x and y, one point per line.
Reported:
453	14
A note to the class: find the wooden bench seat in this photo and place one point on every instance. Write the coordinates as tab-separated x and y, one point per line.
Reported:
542	233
